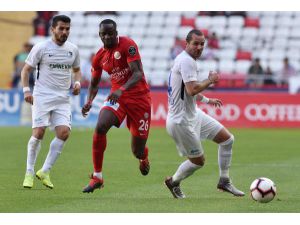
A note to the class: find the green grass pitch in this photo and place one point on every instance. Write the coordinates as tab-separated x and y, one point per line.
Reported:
273	153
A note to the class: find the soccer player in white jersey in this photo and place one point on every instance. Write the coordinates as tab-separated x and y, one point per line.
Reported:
188	125
55	60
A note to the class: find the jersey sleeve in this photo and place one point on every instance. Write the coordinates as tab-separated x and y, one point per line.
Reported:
131	51
76	63
188	70
34	56
96	67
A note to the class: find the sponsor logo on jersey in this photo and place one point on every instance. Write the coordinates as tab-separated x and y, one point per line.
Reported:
132	50
60	66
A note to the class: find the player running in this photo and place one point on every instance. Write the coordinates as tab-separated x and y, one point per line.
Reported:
53	59
129	97
188	125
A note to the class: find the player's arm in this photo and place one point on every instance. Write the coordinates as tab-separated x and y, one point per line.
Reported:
77	78
27	69
210	101
137	74
92	92
195	87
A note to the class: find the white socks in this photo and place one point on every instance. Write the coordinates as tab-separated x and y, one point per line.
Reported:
98	175
186	169
33	149
224	156
54	151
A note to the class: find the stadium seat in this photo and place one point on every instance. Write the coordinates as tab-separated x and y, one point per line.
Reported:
156	20
268	21
282	32
252	22
226	66
236	21
203	22
219	21
187	22
277	54
242	66
243	55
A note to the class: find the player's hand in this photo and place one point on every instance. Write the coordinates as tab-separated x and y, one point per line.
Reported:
86	108
28	97
215	102
76	89
114	97
213	77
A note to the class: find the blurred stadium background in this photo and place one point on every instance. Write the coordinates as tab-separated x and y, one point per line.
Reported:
257	54
259	97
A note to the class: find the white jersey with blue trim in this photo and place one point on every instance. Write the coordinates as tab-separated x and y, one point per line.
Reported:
182	107
53	65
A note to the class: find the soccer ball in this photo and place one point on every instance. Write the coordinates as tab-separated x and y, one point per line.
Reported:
263	190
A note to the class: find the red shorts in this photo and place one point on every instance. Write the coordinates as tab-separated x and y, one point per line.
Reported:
138	112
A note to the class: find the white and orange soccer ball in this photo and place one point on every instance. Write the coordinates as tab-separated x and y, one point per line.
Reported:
263	190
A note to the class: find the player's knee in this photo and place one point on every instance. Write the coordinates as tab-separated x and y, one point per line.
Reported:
63	134
200	161
229	141
102	128
38	133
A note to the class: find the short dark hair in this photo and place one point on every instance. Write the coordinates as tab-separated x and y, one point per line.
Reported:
58	18
108	21
190	34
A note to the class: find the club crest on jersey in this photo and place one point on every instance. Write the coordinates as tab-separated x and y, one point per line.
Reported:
132	50
117	55
146	115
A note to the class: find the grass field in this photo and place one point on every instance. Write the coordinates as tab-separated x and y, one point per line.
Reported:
257	152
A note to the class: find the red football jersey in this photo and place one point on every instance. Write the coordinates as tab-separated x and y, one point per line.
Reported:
115	62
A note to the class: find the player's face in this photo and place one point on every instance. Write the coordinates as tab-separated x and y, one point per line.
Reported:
108	35
61	32
196	46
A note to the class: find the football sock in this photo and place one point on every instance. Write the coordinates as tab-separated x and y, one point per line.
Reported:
98	175
55	149
33	149
224	156
99	146
145	153
186	169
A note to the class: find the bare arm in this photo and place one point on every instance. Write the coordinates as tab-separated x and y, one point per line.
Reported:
92	92
137	74
195	87
25	83
77	78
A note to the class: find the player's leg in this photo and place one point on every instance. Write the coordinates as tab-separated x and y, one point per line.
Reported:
40	120
138	122
55	149
60	122
140	151
225	140
33	149
188	144
213	130
107	118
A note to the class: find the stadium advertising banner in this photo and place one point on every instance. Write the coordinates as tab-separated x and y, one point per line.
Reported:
250	109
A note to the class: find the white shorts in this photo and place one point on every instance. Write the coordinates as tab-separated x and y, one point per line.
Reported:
188	137
51	111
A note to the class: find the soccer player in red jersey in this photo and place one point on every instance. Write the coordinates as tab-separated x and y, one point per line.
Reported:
129	97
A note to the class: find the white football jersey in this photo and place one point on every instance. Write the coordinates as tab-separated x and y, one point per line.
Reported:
182	107
53	65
